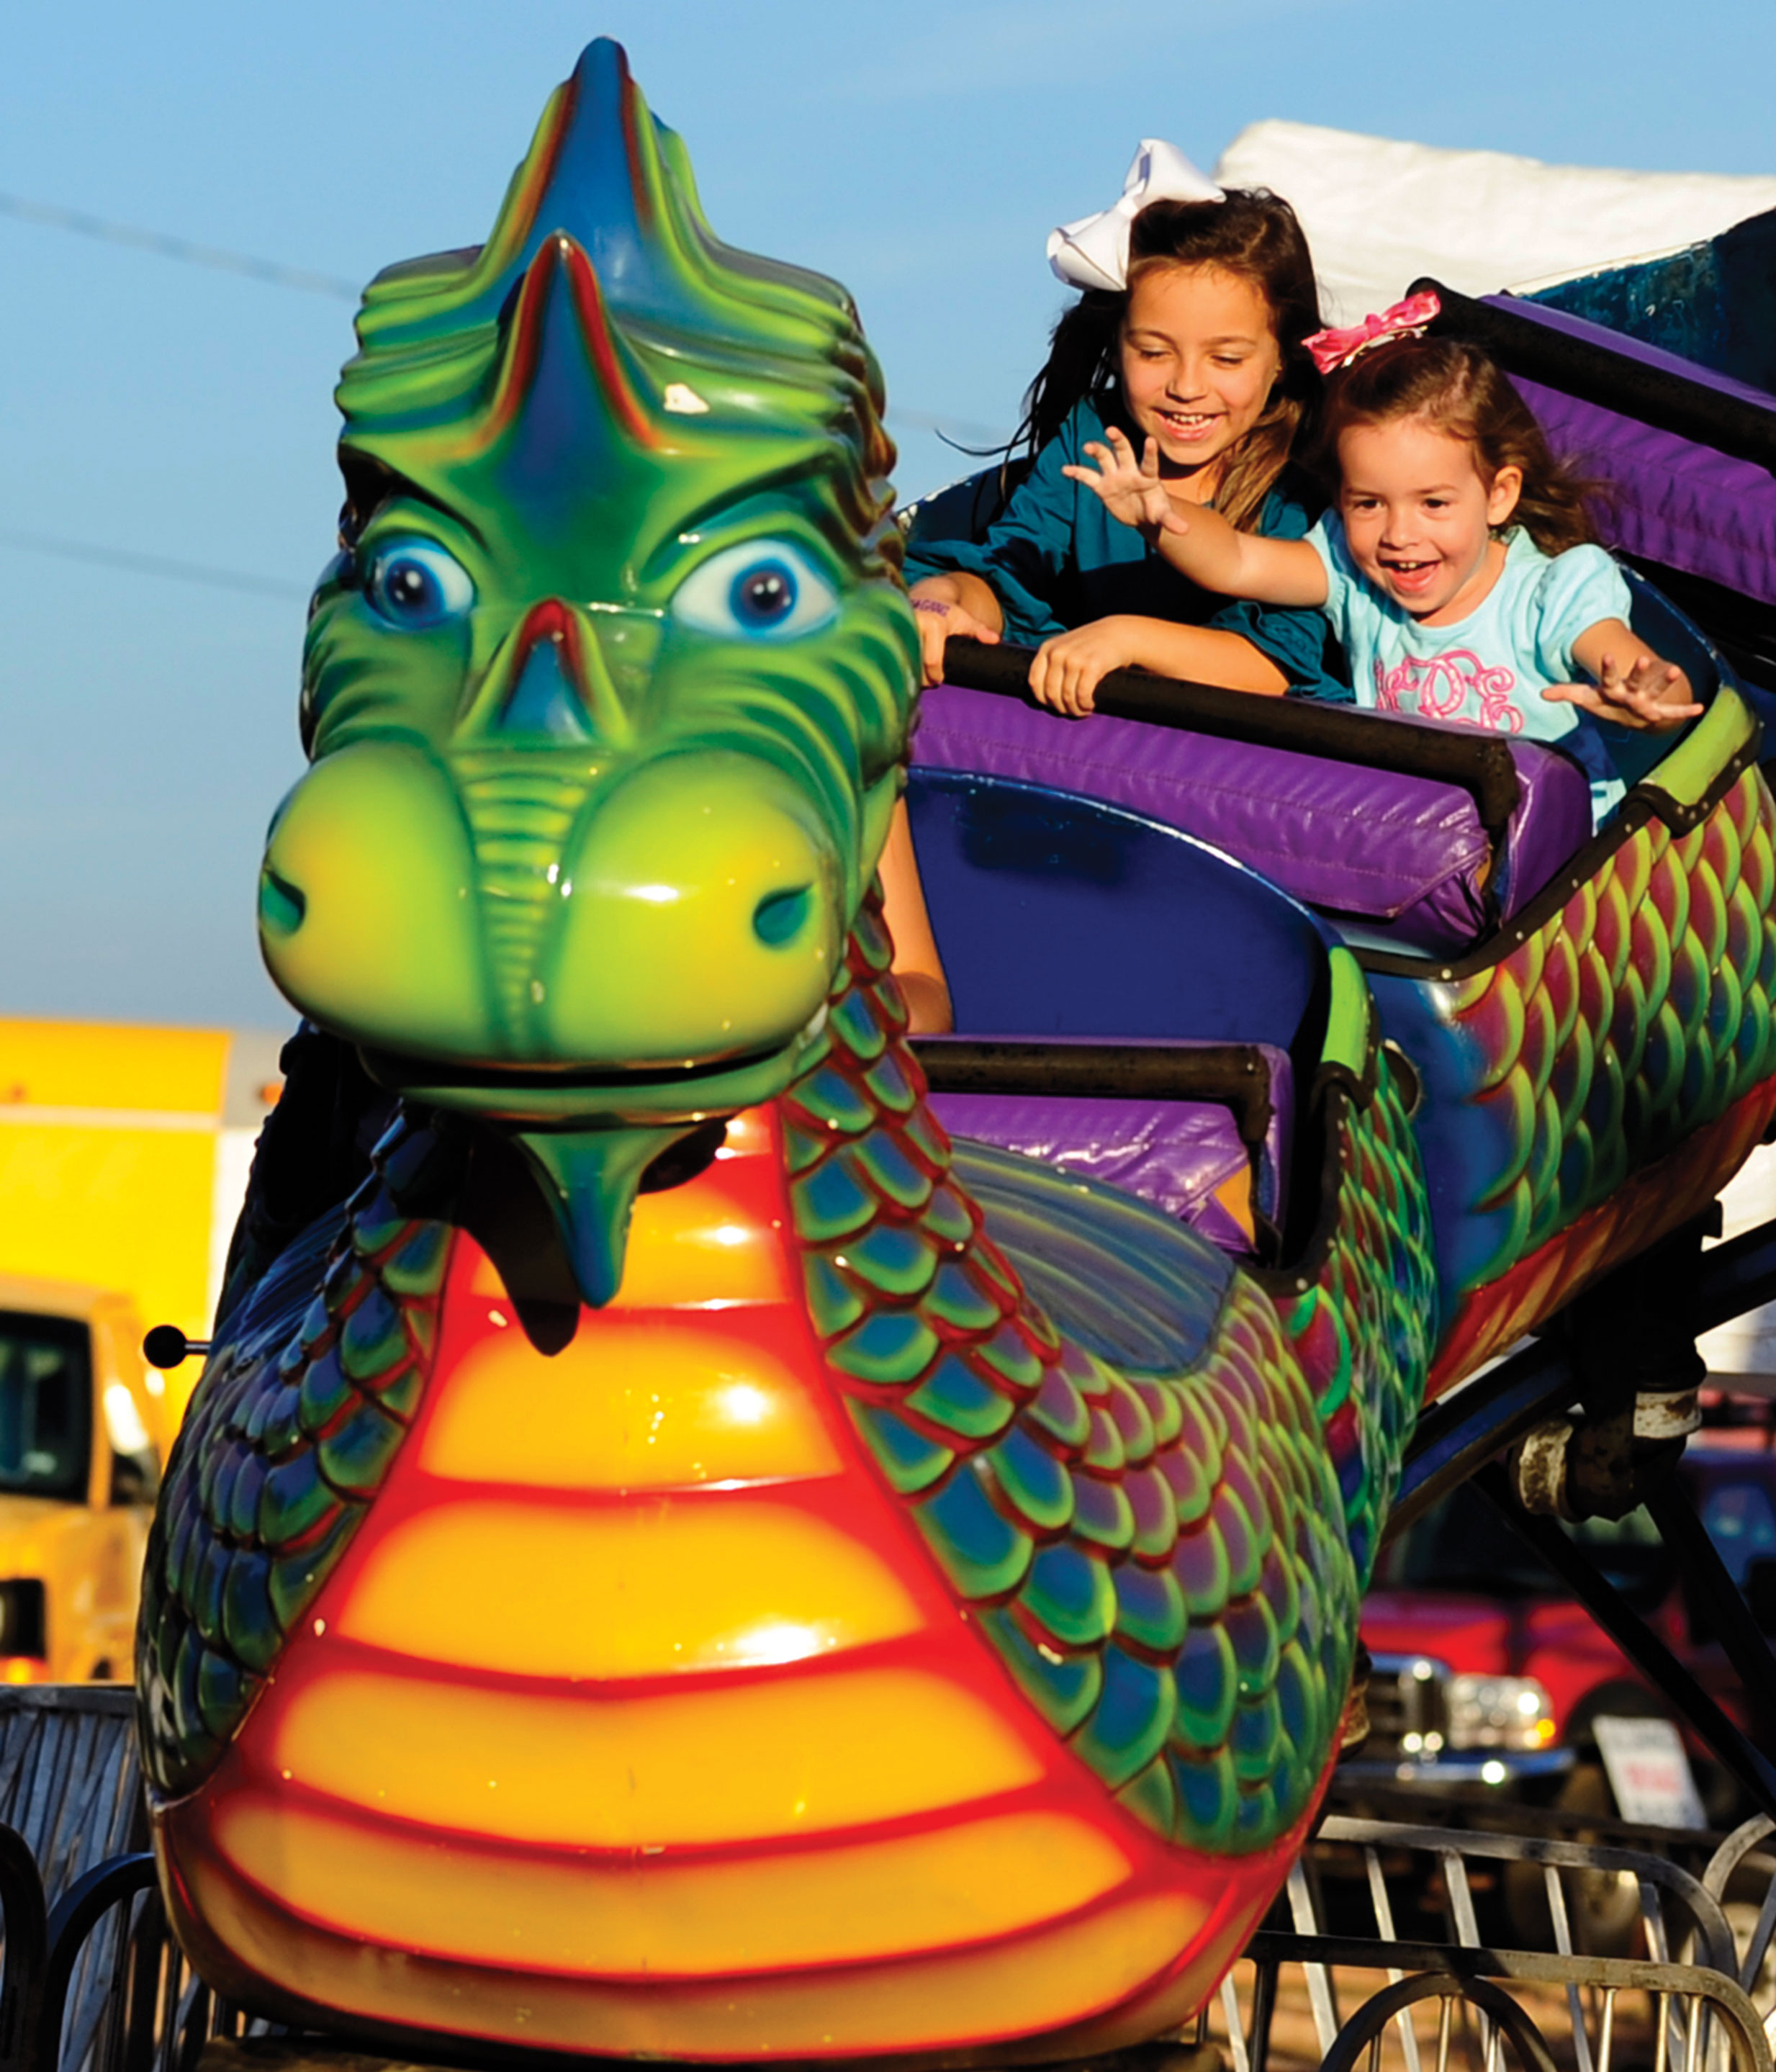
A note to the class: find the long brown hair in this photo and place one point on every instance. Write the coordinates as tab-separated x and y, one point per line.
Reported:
1252	234
1454	386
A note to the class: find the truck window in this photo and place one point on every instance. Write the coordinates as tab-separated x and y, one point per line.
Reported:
1740	1520
46	1406
1462	1544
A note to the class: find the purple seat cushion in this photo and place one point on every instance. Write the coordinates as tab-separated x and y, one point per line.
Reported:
1405	855
1172	1153
1671	501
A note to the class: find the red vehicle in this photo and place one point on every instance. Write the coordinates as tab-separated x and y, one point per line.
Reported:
1485	1672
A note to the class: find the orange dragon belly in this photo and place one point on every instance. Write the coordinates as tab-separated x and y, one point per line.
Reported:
637	1719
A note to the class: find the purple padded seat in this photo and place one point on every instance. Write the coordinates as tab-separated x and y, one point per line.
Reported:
1406	856
1172	1153
1671	500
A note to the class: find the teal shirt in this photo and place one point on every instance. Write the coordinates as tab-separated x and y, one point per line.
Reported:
1055	558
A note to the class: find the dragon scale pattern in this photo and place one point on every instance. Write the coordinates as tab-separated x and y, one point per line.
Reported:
1151	1545
1364	1325
289	1437
1638	1012
1153	1551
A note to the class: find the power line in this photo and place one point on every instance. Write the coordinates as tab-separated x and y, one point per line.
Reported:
181	248
957	430
960	432
151	564
187	251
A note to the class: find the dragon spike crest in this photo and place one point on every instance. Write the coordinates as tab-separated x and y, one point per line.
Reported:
602	313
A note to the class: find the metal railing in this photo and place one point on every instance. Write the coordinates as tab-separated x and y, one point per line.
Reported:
1696	1980
92	1980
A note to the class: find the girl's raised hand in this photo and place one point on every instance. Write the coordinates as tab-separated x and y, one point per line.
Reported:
1648	693
1131	490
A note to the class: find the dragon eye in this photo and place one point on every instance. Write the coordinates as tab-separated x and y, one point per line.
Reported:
415	585
763	589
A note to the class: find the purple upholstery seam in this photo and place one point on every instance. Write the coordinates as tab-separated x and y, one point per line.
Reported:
1405	854
956	739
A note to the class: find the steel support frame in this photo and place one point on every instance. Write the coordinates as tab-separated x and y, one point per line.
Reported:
1460	1432
1637	1640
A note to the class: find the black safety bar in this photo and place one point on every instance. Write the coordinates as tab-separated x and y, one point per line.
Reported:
1474	763
1582	368
1233	1074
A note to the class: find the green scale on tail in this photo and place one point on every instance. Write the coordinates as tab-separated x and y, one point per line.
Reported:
1634	1011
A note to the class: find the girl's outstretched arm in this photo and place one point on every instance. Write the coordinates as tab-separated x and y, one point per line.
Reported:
1202	545
1632	685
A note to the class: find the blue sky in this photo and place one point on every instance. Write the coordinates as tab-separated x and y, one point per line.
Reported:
919	153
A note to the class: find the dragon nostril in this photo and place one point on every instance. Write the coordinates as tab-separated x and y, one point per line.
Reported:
778	917
281	905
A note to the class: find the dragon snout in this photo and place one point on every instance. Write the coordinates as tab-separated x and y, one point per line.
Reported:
703	917
691	912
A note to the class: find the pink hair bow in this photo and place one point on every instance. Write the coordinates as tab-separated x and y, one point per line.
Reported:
1334	349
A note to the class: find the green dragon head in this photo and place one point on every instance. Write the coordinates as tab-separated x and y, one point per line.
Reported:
606	697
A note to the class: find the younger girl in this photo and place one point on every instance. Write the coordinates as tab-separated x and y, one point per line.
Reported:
1458	566
1190	333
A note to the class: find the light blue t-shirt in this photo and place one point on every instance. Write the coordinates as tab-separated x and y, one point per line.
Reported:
1489	669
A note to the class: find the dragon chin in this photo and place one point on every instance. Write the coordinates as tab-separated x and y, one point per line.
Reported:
589	1179
588	1136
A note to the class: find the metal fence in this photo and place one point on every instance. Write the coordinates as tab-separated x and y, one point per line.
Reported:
71	1797
1691	1991
1398	1920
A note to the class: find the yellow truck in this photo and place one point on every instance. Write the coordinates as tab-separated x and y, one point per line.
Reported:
124	1154
79	1468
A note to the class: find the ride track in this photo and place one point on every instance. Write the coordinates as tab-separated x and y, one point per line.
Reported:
687	1561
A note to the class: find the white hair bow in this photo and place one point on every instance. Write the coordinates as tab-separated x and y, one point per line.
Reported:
1094	252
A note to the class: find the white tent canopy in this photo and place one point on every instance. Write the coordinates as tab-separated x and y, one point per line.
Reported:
1379	213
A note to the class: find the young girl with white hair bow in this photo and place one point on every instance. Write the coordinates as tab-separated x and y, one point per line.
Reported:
1189	331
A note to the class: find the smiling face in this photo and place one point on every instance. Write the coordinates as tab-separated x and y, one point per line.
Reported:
1418	516
1199	359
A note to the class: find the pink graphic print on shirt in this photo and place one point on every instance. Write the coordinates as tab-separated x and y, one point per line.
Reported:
1439	686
